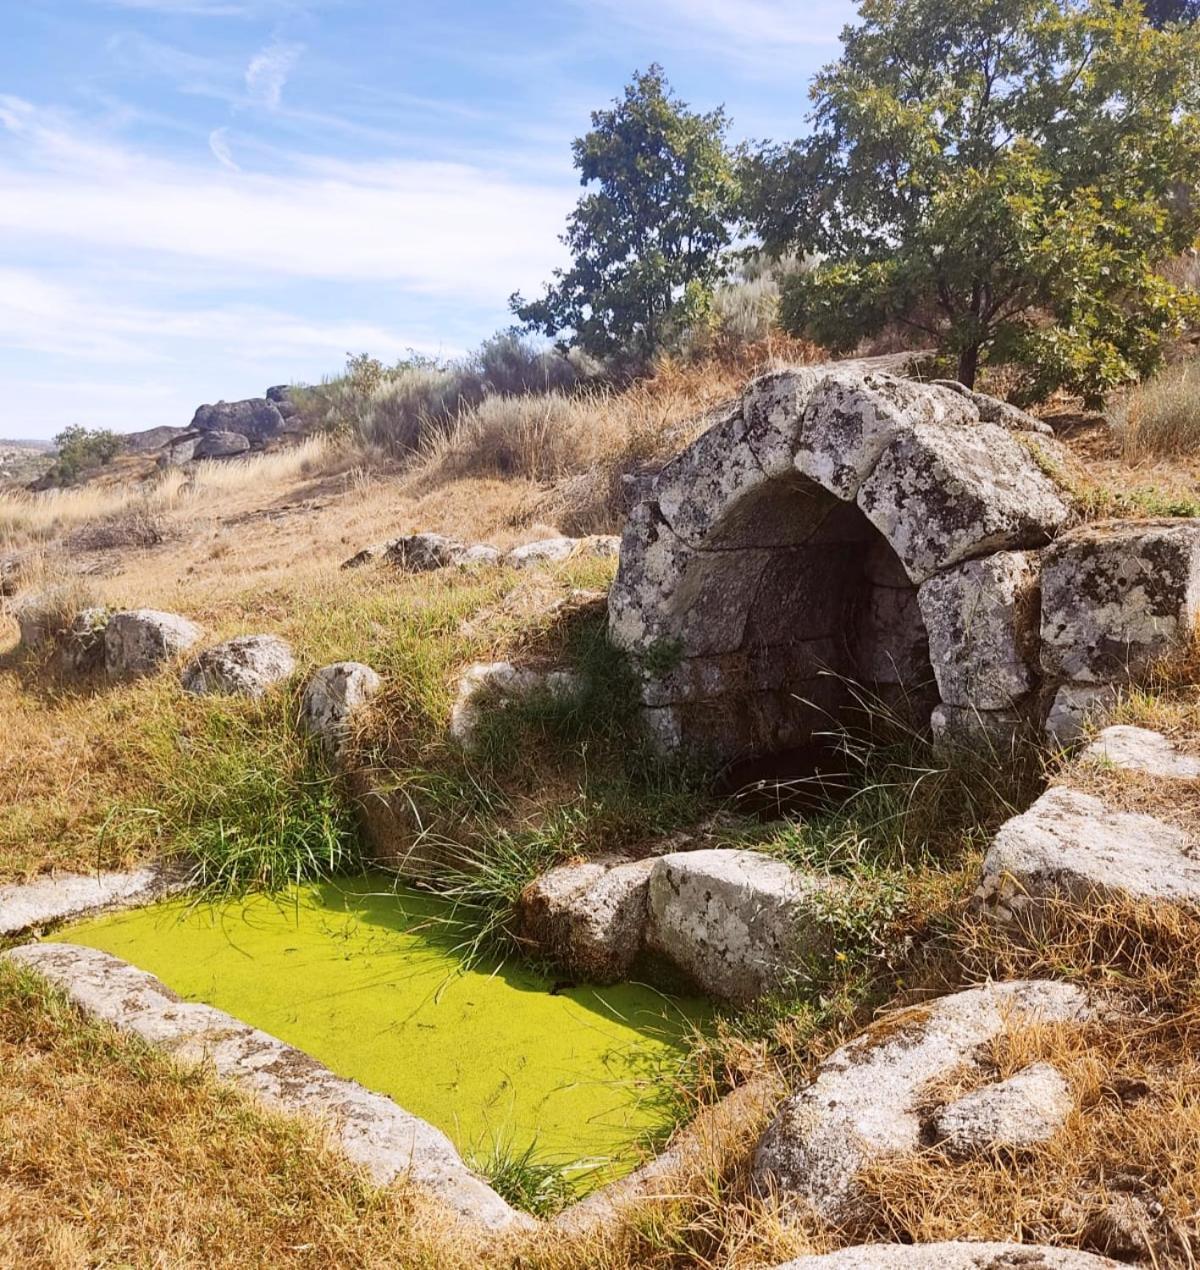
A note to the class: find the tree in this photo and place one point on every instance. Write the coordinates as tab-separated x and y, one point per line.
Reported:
1003	177
1163	12
647	244
79	449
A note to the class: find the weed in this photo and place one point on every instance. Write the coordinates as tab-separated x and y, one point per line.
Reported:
518	1175
1160	417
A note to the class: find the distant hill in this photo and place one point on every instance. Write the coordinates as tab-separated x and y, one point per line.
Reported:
23	461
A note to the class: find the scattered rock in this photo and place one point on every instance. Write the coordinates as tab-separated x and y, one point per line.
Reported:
138	641
1140	750
220	445
501	682
1070	845
553	550
1027	1108
1119	597
1126	1225
39	617
864	1104
25	906
982	619
331	699
953	1256
422	553
480	554
1074	708
375	1133
243	667
737	923
589	917
257	419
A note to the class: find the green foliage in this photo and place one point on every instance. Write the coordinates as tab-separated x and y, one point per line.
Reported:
1003	178
81	449
242	798
404	406
531	1184
647	246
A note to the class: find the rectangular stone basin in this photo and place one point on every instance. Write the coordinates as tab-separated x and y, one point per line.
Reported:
368	981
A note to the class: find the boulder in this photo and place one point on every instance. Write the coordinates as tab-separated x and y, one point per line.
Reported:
150	439
220	445
1014	1114
247	666
138	641
1119	597
257	419
331	699
588	917
982	622
180	449
39	617
501	683
1072	846
868	1100
955	1255
1074	708
1140	750
284	402
481	553
737	923
81	645
942	494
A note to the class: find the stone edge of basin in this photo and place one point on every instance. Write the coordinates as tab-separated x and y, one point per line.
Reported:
370	1129
25	906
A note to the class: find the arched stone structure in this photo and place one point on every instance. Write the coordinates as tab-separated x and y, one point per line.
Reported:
805	541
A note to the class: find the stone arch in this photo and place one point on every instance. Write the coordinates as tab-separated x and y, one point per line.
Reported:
793	539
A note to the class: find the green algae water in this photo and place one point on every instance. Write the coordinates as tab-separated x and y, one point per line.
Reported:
366	979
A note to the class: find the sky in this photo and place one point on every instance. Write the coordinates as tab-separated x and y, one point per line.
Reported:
201	198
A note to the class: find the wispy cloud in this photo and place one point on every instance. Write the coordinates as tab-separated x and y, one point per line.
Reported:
269	70
451	229
218	143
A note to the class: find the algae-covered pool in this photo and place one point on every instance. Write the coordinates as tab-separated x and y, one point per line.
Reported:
367	980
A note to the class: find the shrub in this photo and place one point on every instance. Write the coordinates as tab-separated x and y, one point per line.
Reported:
1160	417
80	450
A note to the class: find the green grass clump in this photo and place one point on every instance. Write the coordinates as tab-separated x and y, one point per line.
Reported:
517	1175
240	795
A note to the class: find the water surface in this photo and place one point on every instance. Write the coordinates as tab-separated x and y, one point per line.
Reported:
368	981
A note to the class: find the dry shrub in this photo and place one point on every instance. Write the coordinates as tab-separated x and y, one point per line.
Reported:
1160	418
136	526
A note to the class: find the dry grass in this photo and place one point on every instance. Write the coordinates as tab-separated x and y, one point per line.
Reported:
1160	418
110	1154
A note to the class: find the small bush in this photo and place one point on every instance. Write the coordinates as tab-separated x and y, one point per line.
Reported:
1161	417
80	450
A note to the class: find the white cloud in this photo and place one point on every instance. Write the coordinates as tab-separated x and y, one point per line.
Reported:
449	229
218	143
269	70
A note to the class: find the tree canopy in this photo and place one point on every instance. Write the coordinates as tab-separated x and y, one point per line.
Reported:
1004	177
646	245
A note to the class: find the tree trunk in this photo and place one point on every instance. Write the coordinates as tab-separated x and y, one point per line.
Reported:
968	365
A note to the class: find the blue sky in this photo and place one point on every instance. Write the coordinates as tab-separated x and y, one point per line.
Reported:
199	198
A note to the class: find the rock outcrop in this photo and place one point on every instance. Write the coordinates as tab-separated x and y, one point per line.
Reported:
867	1102
256	419
248	666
